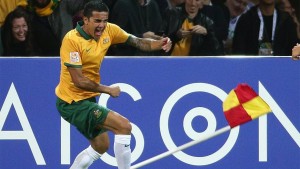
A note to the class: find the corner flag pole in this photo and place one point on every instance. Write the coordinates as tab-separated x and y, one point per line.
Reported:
234	117
182	147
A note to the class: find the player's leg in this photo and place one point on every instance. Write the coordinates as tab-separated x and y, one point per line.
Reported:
85	158
99	145
86	115
121	127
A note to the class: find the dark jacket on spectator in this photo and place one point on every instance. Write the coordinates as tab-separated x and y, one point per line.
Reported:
220	23
51	29
136	20
201	45
245	41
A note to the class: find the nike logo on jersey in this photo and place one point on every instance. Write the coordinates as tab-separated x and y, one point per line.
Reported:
87	50
127	145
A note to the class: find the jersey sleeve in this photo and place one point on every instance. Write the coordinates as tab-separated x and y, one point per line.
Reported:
70	53
117	34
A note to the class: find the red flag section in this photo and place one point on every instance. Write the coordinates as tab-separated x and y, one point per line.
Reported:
242	105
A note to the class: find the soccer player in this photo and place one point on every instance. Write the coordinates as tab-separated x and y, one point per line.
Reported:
296	52
82	52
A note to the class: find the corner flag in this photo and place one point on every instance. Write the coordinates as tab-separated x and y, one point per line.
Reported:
243	104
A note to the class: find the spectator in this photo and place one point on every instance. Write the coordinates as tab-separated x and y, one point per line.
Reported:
286	6
191	32
171	4
140	18
235	8
264	30
214	12
6	6
52	19
17	35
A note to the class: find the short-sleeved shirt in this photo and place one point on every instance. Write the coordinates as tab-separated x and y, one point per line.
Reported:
79	50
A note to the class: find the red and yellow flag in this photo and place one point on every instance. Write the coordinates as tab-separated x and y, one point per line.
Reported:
243	104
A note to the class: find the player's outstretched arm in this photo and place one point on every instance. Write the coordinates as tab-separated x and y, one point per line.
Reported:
147	44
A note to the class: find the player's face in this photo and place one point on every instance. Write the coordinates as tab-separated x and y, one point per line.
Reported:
95	25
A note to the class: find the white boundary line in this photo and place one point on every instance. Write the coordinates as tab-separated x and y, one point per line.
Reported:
182	147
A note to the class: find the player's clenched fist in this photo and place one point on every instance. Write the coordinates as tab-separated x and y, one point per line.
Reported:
114	91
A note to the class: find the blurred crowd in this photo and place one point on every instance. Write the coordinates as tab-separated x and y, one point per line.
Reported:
196	27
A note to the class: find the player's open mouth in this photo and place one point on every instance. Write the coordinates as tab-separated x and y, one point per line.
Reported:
98	32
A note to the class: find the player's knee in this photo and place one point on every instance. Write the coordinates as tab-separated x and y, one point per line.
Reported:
126	127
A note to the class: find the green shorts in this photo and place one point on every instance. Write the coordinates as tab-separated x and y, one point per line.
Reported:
85	115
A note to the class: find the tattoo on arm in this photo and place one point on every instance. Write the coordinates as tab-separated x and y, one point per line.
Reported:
140	43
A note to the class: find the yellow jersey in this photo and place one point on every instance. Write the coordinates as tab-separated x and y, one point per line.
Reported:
79	50
182	47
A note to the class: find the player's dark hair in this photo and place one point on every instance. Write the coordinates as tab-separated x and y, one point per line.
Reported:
94	5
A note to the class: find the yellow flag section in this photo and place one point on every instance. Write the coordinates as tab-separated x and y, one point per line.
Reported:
242	105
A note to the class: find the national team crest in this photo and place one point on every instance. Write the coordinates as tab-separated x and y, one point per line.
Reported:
97	113
74	57
105	40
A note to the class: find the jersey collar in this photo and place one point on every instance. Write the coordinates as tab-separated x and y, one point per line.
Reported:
81	31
